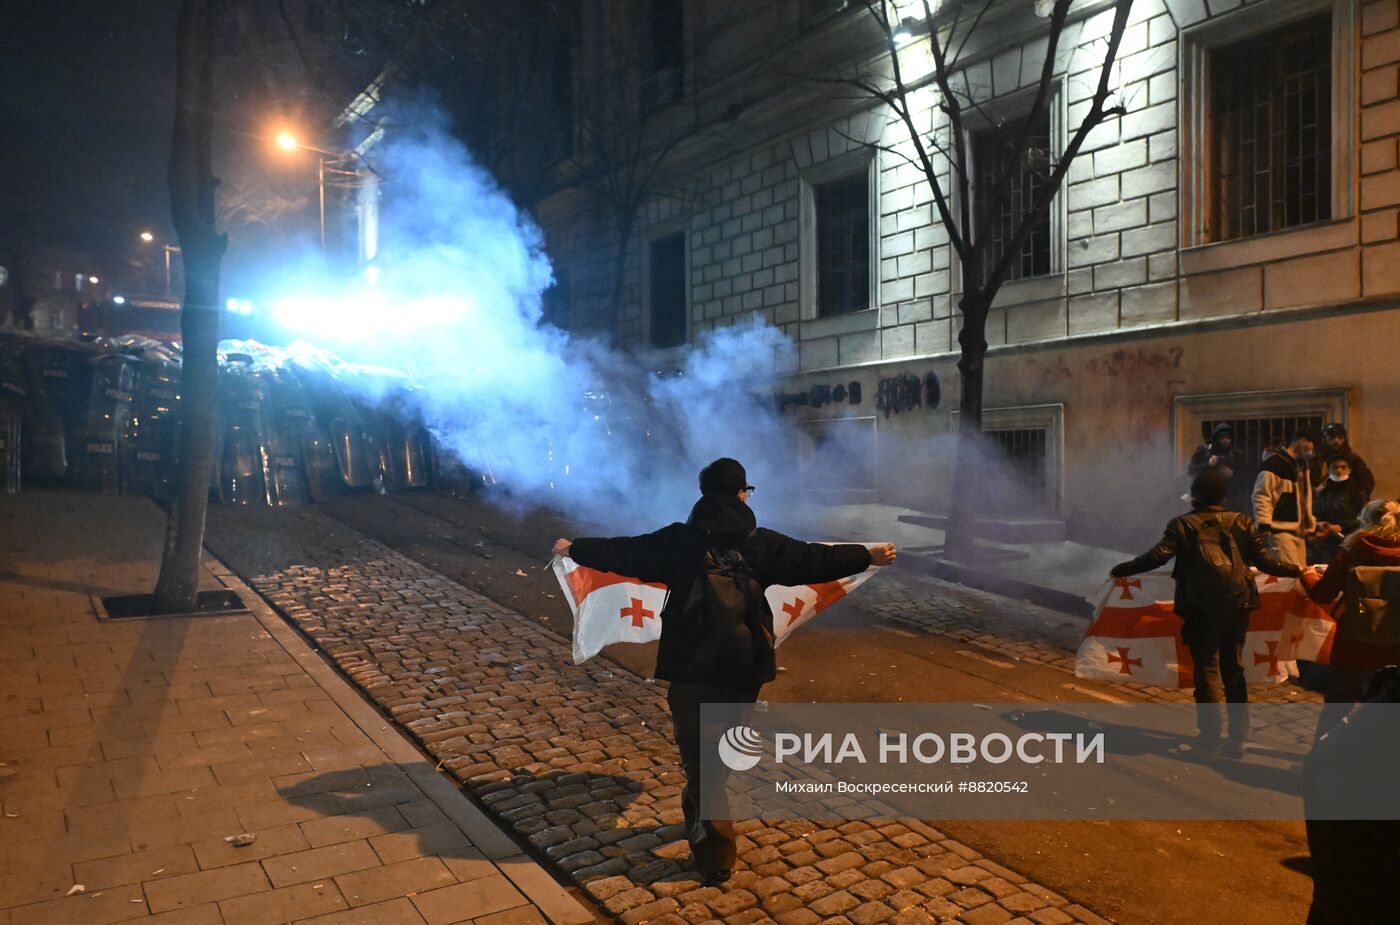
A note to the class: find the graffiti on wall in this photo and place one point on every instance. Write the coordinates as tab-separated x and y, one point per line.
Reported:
906	392
819	396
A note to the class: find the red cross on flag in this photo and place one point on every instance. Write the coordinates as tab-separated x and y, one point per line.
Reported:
1136	636
611	608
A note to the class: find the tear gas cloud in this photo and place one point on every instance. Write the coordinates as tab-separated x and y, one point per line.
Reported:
557	419
569	422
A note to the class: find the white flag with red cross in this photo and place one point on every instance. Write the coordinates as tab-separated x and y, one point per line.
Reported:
1136	636
611	608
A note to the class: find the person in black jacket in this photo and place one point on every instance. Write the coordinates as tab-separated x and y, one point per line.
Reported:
1337	507
1214	603
1337	445
1219	453
710	656
1216	453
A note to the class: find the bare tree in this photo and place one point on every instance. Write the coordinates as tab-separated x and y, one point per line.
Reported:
941	154
192	184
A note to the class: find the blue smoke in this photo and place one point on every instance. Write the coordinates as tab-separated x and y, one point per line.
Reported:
558	420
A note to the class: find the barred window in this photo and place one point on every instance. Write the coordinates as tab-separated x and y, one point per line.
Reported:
843	244
1271	118
1025	453
667	286
664	79
993	155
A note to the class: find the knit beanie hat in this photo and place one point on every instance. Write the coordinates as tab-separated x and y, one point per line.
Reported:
724	476
1210	487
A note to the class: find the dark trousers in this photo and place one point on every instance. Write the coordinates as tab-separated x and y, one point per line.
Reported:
1217	650
1345	688
712	846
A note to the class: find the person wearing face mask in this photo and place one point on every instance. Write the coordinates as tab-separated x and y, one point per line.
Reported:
1335	445
1283	497
1337	507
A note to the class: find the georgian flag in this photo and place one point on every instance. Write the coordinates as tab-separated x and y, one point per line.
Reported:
1135	635
611	608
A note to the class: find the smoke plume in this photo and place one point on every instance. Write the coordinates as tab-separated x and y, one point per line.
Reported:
556	419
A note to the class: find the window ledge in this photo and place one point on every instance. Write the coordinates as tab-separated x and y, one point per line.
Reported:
867	319
1026	291
1277	245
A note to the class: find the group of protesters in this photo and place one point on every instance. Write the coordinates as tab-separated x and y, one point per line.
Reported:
717	639
1336	539
1344	546
1309	493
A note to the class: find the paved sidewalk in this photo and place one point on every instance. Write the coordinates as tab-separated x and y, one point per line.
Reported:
578	758
130	750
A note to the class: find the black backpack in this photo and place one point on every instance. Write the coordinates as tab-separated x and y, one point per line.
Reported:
1217	578
725	608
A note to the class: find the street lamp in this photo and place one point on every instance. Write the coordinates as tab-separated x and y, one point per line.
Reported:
331	168
147	237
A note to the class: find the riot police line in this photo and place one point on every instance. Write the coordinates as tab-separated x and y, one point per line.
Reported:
292	426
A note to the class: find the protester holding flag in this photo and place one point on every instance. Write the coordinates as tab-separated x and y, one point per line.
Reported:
1215	593
717	636
1359	648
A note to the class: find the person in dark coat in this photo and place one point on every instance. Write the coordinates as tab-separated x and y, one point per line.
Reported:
716	658
1219	453
1352	807
1214	621
1337	507
1335	445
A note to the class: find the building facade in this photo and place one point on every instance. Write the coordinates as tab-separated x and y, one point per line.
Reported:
1227	250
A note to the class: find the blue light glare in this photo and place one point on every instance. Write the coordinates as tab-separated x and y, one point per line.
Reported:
368	313
118	300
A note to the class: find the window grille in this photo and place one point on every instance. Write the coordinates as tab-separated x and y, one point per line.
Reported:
843	245
1272	123
1253	436
993	155
1025	452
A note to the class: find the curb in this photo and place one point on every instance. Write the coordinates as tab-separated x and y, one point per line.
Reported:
534	882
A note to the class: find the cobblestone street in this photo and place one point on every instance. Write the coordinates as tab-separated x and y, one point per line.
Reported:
578	759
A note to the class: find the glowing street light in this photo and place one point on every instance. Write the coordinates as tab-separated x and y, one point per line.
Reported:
288	142
94	280
169	249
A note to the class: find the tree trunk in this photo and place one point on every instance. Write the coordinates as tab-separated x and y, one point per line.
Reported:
192	185
958	542
619	271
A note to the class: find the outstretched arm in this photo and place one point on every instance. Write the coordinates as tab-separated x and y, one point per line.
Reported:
647	557
793	562
1155	557
1256	553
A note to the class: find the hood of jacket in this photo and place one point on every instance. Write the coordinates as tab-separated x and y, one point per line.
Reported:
1376	550
723	518
1218	431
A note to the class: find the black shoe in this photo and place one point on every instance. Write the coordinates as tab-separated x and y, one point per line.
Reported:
1233	750
1201	750
714	877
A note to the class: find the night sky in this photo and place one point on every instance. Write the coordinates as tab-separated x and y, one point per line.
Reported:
86	95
